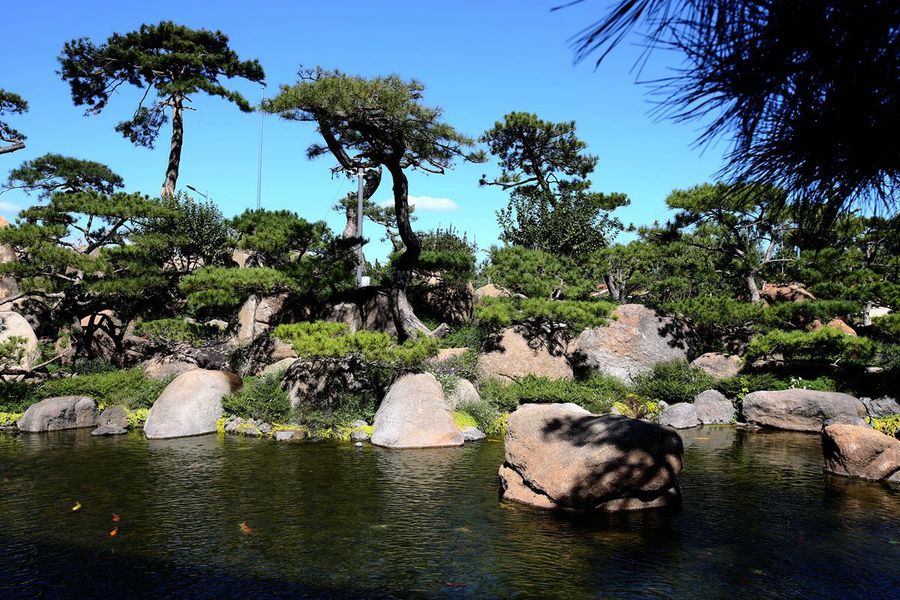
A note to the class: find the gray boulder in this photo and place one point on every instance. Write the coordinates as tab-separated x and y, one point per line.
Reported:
799	410
359	435
358	423
109	430
13	324
713	408
632	343
63	412
516	356
114	416
287	436
191	404
718	365
881	407
472	434
562	456
680	415
414	414
463	393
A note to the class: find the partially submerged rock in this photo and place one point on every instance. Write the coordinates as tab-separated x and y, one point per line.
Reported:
515	357
680	415
635	340
861	452
191	404
414	414
63	412
713	408
562	456
105	430
472	434
113	416
799	410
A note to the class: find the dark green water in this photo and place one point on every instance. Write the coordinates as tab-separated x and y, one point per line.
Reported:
759	520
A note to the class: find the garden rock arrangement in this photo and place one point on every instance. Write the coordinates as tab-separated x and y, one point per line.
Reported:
248	427
191	404
64	412
861	452
560	456
112	421
515	357
799	410
414	414
681	415
635	340
713	408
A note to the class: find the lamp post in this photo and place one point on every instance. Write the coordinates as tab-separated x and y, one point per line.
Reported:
199	193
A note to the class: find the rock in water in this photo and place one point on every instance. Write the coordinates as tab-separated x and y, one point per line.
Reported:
109	430
680	415
562	456
114	416
63	412
861	452
713	408
515	357
472	434
799	410
414	414
632	343
191	404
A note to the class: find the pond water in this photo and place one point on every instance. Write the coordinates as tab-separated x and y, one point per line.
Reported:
331	520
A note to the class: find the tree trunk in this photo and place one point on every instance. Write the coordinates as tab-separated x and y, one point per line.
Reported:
614	293
405	319
751	286
168	188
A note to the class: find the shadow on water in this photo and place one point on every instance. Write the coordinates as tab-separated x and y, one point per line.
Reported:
332	520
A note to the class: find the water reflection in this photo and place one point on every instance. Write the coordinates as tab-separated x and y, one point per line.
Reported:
335	520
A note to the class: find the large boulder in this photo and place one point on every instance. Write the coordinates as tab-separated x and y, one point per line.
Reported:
160	368
15	325
713	408
114	416
861	452
881	407
190	405
514	357
257	315
633	342
63	412
799	410
490	291
562	456
414	414
792	292
680	415
718	365
462	393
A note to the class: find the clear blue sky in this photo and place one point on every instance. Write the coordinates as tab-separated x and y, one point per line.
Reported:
478	60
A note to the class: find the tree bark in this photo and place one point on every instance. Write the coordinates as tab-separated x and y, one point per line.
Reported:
405	319
751	286
611	287
12	147
168	188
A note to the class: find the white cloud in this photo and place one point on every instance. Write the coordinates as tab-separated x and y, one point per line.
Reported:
423	203
8	207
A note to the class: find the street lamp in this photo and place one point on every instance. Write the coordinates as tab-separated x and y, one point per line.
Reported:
198	192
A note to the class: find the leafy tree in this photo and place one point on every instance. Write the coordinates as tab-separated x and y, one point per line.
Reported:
746	226
551	206
535	273
11	104
378	122
798	86
52	173
276	238
174	61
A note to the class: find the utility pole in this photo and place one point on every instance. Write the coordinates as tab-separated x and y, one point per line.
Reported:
262	116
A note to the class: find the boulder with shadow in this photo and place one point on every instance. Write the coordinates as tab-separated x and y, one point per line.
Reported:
861	452
414	414
191	404
560	456
63	412
799	410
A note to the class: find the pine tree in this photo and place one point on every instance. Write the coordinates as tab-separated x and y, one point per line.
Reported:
11	104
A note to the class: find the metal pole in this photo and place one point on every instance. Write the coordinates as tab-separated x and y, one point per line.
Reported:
259	164
359	227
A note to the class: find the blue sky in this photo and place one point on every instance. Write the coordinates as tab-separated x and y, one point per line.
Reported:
478	60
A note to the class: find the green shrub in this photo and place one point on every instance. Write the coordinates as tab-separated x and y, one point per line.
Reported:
464	419
129	387
469	335
535	273
576	314
168	331
323	339
596	393
824	346
672	382
462	365
17	396
259	398
486	417
889	425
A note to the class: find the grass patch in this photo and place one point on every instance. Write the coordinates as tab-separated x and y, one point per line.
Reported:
596	393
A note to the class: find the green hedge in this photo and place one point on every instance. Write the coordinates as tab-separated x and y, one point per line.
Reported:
576	314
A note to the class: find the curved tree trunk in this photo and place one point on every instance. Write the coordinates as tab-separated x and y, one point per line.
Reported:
405	319
168	188
752	288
